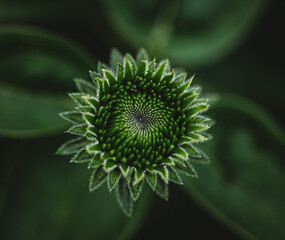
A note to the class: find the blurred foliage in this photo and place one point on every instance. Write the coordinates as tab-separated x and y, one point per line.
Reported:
244	185
43	197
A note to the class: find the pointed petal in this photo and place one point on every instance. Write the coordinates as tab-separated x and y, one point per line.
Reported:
173	176
97	178
151	180
72	116
109	165
77	98
142	55
116	57
84	86
72	146
136	189
163	173
77	129
82	156
124	197
113	178
159	72
162	188
191	150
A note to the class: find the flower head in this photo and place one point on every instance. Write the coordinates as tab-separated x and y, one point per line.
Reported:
137	122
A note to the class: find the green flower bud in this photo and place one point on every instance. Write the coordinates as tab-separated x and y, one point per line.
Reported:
137	122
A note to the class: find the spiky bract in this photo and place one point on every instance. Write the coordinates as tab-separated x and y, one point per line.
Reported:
137	121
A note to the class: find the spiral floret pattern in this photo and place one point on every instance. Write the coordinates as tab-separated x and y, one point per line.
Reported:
138	121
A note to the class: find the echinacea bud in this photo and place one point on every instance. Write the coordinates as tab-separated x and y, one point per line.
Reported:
138	122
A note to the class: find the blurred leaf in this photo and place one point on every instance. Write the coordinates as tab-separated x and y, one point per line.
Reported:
48	199
35	66
195	32
244	185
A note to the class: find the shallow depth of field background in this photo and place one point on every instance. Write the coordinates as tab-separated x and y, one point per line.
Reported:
235	48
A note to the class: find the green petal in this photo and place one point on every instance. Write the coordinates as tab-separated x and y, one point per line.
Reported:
92	101
159	72
82	156
192	111
136	189
132	62
95	161
197	128
162	172
180	152
161	188
139	175
89	118
128	71
115	58
109	165
97	178
113	178
72	116
124	197
151	180
77	98
142	55
142	69
77	129
180	78
72	146
110	77
95	147
184	86
191	150
84	86
173	176
187	170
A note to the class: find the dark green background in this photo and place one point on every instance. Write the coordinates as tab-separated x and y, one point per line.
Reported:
235	48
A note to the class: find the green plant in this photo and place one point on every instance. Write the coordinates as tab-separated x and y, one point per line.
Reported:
138	121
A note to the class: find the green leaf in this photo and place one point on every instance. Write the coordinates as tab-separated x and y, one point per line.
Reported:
54	192
191	151
163	173
72	146
128	70
192	111
72	116
124	197
142	69
247	169
159	72
113	178
180	78
197	128
141	56
86	87
32	95
89	118
139	175
92	101
132	62
136	189
97	178
116	57
180	152
187	169
95	161
77	98
82	156
162	188
185	86
173	176
110	77
27	115
109	165
151	180
77	129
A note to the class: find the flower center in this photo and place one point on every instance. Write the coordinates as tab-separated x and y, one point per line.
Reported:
138	125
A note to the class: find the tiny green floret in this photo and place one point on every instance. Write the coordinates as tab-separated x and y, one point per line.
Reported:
138	121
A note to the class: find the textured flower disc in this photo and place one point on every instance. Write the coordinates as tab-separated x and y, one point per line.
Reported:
136	121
